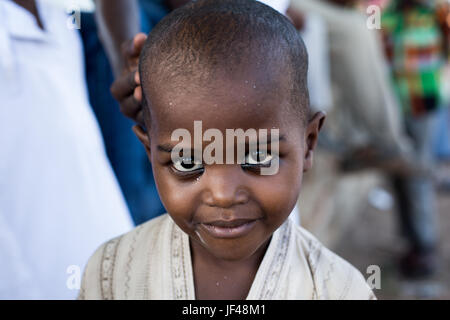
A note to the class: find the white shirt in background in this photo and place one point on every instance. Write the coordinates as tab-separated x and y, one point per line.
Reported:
59	199
279	5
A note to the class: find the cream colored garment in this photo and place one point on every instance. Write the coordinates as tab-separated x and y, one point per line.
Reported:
154	262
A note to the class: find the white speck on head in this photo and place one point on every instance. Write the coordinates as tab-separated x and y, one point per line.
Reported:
217	283
170	103
246	81
254	86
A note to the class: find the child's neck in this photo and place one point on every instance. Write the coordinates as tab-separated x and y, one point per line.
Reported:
220	279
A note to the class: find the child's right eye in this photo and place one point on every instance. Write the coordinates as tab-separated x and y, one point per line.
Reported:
187	165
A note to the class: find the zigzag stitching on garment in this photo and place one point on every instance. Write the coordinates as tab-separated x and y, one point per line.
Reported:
313	249
177	263
148	267
107	270
129	259
328	277
184	271
277	264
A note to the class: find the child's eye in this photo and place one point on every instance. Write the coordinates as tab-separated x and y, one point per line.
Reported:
187	165
258	158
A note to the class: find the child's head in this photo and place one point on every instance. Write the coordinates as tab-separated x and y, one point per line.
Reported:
229	64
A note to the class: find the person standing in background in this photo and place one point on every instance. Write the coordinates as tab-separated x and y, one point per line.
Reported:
117	21
417	50
442	143
59	199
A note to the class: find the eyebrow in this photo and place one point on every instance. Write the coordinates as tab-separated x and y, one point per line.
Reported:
280	139
168	147
165	148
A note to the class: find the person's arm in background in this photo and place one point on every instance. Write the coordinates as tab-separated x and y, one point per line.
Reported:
117	21
119	26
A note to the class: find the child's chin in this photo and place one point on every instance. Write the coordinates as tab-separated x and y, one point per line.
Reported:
232	252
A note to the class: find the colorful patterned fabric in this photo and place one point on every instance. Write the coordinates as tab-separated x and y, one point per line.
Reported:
415	47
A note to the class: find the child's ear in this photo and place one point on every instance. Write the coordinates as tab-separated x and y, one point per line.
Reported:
311	136
144	138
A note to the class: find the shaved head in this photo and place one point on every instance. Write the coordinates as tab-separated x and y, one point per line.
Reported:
206	39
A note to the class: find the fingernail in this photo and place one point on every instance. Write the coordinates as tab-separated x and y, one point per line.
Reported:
137	78
137	94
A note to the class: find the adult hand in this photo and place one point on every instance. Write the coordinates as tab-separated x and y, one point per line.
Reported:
126	89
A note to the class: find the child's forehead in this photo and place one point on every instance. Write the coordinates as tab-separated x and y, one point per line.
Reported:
238	102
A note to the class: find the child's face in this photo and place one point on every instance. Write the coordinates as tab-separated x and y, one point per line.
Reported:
228	209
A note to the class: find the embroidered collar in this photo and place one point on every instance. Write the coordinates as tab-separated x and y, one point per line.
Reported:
267	279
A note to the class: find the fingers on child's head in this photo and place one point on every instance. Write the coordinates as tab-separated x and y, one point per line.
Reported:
137	78
137	94
124	86
138	43
131	108
132	48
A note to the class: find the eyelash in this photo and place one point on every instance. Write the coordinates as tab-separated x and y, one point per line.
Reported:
187	174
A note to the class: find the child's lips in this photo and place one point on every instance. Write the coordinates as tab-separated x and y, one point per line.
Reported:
228	229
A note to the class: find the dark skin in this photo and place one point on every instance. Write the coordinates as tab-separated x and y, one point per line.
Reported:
126	89
225	268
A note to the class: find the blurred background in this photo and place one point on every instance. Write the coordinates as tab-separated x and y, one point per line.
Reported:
379	192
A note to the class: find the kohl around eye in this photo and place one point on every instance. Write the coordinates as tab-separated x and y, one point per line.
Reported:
235	140
258	158
186	165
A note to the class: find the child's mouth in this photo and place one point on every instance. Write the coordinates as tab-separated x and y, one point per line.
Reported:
228	229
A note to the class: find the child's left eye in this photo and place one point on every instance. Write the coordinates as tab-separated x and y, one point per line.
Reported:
187	165
258	158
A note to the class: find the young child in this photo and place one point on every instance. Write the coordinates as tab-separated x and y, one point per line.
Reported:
229	64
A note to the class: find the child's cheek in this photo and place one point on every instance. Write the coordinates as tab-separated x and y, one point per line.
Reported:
278	194
179	197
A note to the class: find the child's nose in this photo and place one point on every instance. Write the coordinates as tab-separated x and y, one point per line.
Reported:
224	186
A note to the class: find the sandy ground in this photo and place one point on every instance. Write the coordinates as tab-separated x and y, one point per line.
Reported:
373	238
